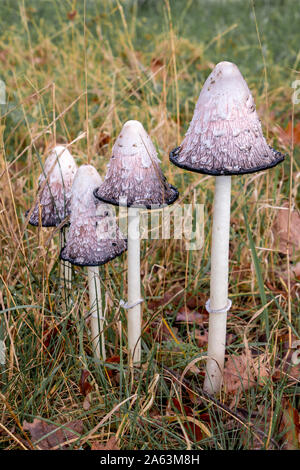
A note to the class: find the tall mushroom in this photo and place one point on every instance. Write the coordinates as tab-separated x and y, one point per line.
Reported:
93	239
54	196
134	178
224	138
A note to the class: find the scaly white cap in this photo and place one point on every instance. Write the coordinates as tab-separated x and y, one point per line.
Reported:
55	183
94	237
225	135
134	174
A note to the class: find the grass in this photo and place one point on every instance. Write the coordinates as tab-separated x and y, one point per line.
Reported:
146	61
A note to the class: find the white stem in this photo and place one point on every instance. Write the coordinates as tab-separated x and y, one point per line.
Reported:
97	320
218	285
65	266
2	353
134	285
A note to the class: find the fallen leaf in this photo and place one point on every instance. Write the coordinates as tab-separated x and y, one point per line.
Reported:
196	302
192	428
84	386
288	131
101	139
201	338
260	421
169	332
242	372
47	436
280	231
3	56
156	65
112	360
51	330
175	295
189	316
71	15
287	364
111	444
296	270
290	426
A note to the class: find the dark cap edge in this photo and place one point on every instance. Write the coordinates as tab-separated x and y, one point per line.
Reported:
204	171
91	264
140	206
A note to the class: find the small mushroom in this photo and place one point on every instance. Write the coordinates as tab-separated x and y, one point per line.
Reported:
135	179
54	193
224	138
53	198
93	239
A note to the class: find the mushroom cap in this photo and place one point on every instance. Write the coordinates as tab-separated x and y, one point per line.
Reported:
93	237
134	177
54	193
225	135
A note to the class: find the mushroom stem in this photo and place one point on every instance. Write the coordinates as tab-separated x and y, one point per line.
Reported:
97	319
218	303
134	286
2	349
65	266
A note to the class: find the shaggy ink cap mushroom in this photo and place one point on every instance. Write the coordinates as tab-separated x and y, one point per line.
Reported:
225	135
94	237
55	184
134	177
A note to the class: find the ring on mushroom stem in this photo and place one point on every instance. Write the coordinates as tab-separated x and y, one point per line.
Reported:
220	310
91	242
224	138
134	179
128	306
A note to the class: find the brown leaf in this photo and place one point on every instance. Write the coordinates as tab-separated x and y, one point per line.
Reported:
189	316
290	425
101	139
84	386
169	332
244	372
112	360
201	338
51	330
296	270
196	302
262	419
288	131
111	444
49	436
287	364
157	69
71	15
3	56
175	295
191	427
156	64
280	230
